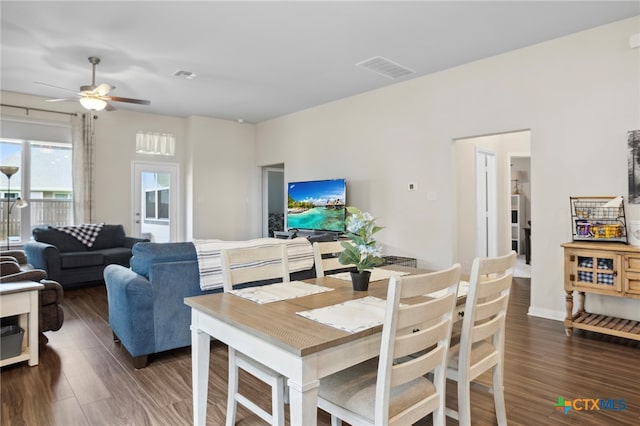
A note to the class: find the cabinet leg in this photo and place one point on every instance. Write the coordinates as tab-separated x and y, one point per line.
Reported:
568	321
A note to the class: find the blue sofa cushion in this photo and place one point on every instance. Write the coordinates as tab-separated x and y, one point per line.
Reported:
63	241
109	236
81	259
147	254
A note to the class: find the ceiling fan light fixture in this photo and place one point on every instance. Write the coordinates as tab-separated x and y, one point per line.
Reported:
93	104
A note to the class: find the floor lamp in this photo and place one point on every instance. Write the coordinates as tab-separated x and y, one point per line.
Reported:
9	171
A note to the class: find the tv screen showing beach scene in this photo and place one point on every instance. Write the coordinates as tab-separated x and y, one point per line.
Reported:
317	205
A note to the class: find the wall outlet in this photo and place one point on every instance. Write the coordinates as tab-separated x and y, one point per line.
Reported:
432	196
412	186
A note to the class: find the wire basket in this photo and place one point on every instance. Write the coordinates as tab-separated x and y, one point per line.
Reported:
596	219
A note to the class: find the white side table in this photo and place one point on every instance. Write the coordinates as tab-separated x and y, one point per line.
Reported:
21	298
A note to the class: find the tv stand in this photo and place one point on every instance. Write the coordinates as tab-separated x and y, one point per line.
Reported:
284	235
310	235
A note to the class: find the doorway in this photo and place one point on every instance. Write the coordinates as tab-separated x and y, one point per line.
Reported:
471	226
155	201
273	196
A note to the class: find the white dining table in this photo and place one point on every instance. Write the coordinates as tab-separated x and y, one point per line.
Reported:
301	349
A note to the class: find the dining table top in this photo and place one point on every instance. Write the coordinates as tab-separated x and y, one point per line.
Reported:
279	323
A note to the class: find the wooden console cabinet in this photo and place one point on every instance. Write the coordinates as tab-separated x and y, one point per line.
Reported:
610	269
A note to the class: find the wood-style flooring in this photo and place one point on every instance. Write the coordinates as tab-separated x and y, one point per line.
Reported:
84	378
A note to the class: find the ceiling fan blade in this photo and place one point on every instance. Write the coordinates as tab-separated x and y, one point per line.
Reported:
60	99
56	87
129	100
103	89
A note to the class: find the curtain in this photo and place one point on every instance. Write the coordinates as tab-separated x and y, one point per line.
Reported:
82	168
155	143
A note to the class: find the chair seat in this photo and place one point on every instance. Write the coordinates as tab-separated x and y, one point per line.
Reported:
355	389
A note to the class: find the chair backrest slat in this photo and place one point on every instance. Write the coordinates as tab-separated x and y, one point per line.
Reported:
325	256
248	264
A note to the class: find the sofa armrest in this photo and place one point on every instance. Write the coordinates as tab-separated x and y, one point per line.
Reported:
44	256
55	288
18	255
130	241
130	309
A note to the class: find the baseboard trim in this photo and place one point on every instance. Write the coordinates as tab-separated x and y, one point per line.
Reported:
546	313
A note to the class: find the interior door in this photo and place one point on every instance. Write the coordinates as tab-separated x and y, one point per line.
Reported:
155	201
486	204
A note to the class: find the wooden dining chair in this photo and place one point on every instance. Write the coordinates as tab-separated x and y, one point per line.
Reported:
243	265
325	256
481	346
395	388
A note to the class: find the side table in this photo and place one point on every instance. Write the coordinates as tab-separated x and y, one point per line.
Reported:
21	298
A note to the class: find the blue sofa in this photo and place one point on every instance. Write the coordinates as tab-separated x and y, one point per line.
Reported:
147	313
71	263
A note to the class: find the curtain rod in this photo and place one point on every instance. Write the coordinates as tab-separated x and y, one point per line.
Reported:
75	114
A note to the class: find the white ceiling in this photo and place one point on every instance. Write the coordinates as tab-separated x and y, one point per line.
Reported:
260	60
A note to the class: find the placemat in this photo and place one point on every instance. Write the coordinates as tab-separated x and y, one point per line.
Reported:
351	316
280	291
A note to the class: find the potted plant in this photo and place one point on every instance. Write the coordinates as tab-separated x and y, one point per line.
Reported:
362	251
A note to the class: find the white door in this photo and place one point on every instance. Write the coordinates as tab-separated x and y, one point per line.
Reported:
486	204
155	201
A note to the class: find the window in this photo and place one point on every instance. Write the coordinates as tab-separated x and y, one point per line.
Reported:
157	204
43	180
156	193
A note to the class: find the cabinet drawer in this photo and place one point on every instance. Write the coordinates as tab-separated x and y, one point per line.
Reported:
632	282
633	263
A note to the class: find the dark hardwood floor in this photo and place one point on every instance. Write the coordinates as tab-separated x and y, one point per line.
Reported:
84	378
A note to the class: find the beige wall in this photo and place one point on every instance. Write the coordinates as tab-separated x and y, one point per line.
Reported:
578	95
224	192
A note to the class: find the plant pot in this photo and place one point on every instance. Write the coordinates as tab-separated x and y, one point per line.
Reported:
360	280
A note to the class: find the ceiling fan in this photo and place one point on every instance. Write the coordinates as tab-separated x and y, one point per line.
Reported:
94	97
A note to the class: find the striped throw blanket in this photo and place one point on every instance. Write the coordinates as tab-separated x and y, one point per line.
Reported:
299	250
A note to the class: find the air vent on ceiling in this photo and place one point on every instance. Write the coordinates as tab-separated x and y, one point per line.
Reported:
185	74
385	67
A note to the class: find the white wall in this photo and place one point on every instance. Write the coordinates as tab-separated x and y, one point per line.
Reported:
224	192
579	95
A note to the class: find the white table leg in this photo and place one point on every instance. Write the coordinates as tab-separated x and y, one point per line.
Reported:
33	328
303	403
199	370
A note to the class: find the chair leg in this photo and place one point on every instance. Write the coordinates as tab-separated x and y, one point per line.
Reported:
498	395
438	417
464	403
232	404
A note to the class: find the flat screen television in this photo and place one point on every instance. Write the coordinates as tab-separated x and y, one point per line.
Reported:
318	205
